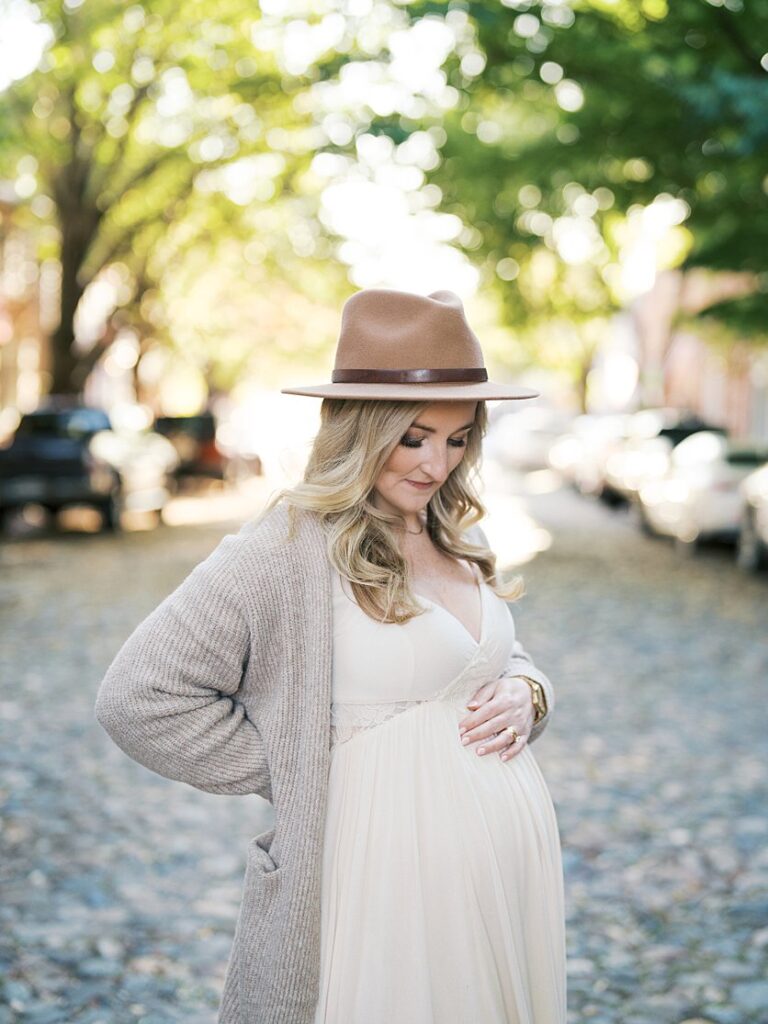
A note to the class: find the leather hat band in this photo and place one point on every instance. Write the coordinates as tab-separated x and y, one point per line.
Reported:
469	375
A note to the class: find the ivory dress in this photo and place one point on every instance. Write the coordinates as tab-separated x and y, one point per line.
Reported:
442	886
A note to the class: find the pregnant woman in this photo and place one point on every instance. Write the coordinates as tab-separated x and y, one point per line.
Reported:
366	678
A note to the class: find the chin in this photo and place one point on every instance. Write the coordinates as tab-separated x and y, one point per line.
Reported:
411	506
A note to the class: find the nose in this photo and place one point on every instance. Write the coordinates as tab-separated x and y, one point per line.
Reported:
435	465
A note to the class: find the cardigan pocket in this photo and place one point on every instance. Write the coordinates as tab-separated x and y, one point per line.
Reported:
257	949
259	856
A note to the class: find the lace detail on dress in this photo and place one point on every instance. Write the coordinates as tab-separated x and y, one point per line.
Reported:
347	720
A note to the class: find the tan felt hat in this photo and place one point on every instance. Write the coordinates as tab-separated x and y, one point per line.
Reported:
402	346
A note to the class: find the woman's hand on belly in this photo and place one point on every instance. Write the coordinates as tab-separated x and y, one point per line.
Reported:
506	701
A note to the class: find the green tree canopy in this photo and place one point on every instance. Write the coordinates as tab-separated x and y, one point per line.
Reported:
572	114
152	129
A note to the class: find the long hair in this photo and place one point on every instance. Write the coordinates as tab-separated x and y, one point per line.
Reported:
355	439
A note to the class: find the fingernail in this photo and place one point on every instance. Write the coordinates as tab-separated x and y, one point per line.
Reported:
481	750
465	740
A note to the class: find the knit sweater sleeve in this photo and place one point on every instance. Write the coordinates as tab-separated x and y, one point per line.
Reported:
169	698
520	663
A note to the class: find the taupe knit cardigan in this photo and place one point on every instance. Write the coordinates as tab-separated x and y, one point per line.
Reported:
226	686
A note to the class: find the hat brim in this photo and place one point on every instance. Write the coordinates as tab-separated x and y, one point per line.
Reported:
486	390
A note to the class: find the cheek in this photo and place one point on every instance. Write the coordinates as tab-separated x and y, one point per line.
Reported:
402	460
457	454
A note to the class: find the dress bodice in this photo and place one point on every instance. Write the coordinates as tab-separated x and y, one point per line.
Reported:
381	668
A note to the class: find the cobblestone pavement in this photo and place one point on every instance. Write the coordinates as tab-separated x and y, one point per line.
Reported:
656	760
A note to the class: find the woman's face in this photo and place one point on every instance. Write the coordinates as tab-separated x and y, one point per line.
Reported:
428	452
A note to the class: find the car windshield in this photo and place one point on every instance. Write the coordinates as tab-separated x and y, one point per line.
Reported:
201	428
747	458
72	423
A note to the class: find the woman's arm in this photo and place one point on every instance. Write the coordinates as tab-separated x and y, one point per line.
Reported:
169	697
520	663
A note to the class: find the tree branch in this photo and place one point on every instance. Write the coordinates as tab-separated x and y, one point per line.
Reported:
166	156
100	181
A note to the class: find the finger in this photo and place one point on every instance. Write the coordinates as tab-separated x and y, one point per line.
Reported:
491	704
497	744
503	745
499	709
514	748
482	695
486	733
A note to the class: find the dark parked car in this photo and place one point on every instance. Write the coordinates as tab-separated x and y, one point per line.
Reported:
202	451
63	455
194	438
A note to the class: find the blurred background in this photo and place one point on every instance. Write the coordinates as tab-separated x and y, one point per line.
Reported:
188	194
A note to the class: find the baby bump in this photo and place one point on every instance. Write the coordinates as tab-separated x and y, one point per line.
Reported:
435	857
412	781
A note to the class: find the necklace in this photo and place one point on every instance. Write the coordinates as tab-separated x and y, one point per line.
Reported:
415	533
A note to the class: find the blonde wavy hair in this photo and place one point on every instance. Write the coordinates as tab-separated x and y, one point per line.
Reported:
355	439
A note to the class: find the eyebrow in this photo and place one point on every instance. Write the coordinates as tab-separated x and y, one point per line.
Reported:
423	426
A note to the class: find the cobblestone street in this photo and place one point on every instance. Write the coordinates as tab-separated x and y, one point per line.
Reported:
120	888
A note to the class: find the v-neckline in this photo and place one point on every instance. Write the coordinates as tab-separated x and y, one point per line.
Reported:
455	618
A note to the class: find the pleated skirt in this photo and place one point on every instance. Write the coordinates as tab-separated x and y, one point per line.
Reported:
442	893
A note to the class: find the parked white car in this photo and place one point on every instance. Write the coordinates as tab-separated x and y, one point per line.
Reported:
580	455
698	497
645	454
521	438
752	550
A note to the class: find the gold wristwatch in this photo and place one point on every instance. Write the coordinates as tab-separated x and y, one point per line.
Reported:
538	699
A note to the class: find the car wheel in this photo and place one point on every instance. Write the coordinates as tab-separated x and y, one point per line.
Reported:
6	518
751	555
642	521
171	485
611	498
111	512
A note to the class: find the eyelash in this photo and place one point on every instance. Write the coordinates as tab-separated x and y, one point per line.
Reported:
415	442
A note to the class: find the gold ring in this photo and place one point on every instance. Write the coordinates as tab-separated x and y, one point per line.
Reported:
513	733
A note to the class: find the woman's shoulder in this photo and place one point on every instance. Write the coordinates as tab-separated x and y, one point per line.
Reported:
261	560
266	527
277	534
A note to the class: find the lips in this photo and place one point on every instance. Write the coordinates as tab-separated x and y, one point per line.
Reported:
417	483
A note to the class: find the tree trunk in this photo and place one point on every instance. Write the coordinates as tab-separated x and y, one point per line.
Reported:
64	358
78	224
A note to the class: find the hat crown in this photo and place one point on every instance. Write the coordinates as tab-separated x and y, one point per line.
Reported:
400	346
386	329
